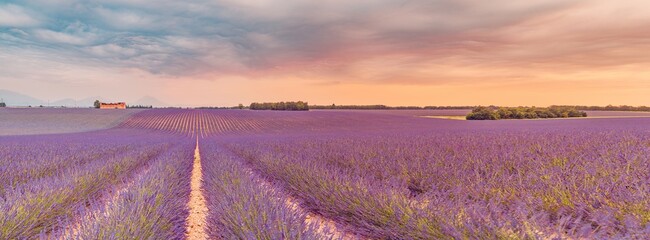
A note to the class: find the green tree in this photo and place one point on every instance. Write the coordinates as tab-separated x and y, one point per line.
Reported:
283	106
482	113
97	104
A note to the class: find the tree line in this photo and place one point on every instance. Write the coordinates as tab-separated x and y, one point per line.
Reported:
493	113
384	107
139	106
608	108
240	106
283	106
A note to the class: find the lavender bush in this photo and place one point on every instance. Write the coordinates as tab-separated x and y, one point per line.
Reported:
242	207
478	184
20	163
33	206
154	207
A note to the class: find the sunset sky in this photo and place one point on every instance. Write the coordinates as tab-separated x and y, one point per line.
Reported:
393	52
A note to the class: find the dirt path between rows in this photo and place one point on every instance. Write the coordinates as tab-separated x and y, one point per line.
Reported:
196	220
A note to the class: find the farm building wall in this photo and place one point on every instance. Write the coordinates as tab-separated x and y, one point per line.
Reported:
119	105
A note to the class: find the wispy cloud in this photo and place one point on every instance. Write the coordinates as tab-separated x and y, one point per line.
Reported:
128	19
54	37
16	16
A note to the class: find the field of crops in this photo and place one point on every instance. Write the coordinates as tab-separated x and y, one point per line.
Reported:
23	121
329	175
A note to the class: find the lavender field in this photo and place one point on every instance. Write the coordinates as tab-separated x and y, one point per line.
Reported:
23	121
327	174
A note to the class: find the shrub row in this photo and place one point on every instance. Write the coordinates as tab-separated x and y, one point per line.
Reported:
287	106
610	108
489	113
384	107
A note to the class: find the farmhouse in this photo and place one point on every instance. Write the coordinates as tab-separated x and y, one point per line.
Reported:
118	105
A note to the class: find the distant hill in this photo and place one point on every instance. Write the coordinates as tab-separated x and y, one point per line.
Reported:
68	102
14	99
90	101
83	103
149	101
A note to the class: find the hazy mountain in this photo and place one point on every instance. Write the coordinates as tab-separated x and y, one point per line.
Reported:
14	99
19	99
149	101
68	102
83	103
90	101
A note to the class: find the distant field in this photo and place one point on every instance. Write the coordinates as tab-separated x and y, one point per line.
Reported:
447	117
423	112
27	121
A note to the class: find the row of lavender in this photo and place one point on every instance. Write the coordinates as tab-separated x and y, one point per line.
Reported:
48	182
154	207
481	183
119	185
207	123
243	207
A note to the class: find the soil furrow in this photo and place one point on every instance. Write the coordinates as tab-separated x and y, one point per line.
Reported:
198	208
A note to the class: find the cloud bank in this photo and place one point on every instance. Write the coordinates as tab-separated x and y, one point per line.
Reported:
412	42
